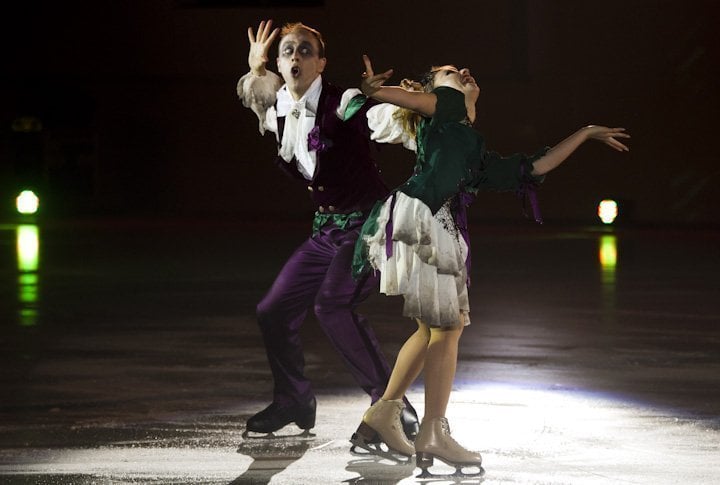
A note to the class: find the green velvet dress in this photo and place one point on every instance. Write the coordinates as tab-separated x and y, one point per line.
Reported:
414	237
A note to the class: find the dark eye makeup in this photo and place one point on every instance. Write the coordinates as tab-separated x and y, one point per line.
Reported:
304	49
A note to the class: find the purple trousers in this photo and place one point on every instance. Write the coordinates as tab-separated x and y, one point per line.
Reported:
318	276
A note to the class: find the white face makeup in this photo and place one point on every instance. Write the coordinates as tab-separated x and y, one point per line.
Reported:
299	62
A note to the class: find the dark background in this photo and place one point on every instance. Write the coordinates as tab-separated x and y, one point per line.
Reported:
129	108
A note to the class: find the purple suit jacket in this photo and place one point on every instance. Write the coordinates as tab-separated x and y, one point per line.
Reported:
346	177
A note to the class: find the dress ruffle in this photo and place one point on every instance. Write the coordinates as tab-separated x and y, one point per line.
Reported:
426	263
385	127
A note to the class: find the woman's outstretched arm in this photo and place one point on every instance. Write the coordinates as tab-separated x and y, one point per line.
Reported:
372	86
560	152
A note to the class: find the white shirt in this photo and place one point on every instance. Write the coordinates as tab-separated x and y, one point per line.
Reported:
299	120
261	92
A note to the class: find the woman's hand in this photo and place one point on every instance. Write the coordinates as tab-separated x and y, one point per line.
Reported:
557	154
471	91
410	85
260	46
470	87
608	136
372	82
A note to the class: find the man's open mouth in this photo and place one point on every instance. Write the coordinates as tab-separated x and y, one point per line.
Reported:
295	71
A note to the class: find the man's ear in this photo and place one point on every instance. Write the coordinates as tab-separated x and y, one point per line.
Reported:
323	61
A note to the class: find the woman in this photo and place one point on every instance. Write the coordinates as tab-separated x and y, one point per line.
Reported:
417	239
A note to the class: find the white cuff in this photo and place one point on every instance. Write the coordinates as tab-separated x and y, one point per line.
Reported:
258	93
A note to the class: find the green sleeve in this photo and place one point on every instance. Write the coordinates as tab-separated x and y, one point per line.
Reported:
354	106
507	173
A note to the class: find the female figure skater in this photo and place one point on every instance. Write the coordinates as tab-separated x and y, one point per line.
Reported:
417	239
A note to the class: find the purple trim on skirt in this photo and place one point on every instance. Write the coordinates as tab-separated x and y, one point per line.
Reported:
464	200
389	228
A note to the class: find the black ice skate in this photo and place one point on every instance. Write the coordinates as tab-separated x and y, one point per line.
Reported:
275	417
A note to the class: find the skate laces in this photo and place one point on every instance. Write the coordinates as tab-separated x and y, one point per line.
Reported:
398	416
445	425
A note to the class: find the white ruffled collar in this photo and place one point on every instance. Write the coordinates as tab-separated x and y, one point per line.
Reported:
311	98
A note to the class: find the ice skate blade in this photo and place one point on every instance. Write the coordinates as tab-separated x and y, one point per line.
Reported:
373	446
253	435
458	474
425	460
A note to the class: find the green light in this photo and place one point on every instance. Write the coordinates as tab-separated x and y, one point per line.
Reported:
28	279
608	256
608	252
28	294
28	258
27	202
607	211
28	317
28	247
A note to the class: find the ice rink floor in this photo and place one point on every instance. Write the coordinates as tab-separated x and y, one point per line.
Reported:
129	354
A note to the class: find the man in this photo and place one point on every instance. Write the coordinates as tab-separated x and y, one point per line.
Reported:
324	142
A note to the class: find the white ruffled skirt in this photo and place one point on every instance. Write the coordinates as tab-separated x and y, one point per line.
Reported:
427	265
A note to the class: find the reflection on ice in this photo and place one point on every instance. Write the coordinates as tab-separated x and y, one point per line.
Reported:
28	260
608	257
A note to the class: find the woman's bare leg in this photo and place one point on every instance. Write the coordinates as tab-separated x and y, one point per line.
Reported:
440	365
409	363
434	439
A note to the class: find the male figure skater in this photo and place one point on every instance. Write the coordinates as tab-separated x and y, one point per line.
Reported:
323	142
